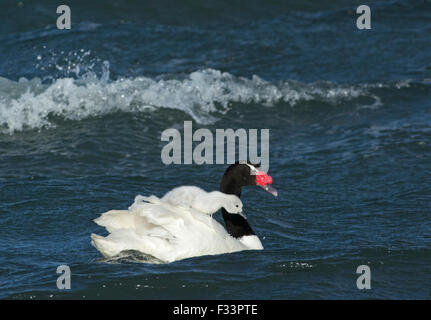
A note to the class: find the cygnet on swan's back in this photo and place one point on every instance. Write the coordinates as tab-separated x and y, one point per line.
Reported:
206	202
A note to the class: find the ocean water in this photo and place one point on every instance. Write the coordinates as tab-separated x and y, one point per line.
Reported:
349	114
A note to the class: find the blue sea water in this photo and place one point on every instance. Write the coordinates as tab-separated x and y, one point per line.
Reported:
349	113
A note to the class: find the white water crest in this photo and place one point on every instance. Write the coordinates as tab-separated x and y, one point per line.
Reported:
204	94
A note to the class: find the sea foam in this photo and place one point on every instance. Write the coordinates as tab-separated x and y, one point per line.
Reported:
204	95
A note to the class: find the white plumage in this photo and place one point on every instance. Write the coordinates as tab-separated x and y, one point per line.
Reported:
175	227
206	202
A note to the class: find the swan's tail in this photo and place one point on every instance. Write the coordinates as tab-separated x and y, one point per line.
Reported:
149	226
124	239
106	248
116	219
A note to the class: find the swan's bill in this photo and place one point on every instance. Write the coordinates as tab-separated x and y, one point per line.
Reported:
264	181
270	189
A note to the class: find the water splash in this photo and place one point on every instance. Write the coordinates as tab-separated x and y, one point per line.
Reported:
204	95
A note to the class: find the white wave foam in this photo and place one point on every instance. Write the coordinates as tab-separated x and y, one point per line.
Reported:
29	104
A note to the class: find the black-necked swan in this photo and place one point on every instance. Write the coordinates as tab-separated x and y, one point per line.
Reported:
179	225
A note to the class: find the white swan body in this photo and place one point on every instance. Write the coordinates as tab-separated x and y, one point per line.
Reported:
172	228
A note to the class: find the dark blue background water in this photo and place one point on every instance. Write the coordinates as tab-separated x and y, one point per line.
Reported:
349	113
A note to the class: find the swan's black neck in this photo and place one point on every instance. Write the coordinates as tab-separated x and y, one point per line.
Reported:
236	225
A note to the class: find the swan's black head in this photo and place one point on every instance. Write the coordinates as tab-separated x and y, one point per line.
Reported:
242	174
236	176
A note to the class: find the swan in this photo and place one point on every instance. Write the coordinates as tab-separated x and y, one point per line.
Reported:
180	225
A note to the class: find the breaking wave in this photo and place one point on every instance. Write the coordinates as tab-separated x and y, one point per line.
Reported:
204	95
